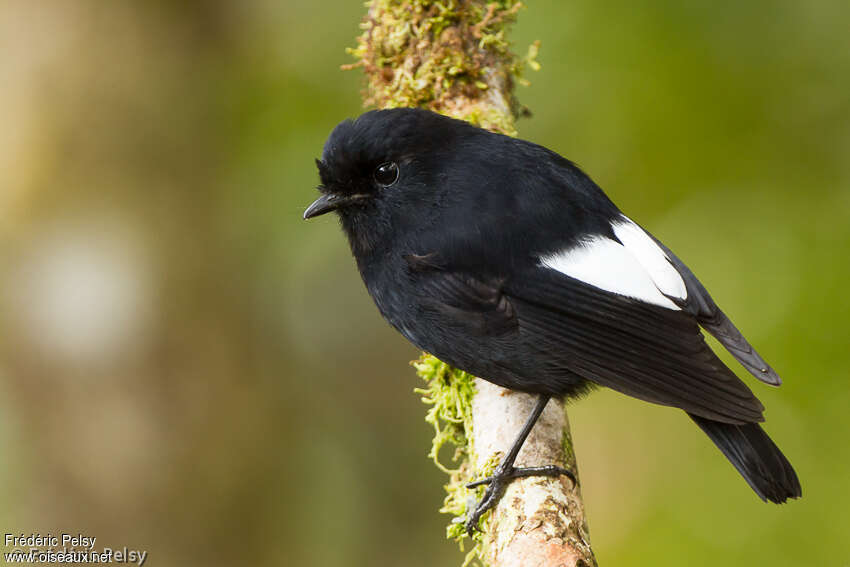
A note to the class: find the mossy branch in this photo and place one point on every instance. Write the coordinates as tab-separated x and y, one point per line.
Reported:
453	57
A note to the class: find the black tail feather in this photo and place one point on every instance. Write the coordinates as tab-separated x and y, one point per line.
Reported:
756	457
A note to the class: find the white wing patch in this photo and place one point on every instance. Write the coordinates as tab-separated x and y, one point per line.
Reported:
651	257
636	268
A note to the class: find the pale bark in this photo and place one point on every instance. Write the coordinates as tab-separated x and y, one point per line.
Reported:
539	521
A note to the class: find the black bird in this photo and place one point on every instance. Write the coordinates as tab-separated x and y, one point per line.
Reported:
504	259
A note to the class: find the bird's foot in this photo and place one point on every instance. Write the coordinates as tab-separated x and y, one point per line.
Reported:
497	483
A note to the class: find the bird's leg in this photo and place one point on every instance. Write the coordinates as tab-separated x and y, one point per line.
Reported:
506	471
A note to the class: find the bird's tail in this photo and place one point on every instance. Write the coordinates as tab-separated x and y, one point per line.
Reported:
756	457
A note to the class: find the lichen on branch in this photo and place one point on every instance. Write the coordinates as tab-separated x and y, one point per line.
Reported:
452	57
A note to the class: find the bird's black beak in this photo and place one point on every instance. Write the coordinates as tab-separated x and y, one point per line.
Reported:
324	204
330	202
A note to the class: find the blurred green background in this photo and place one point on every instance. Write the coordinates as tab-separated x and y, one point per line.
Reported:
191	369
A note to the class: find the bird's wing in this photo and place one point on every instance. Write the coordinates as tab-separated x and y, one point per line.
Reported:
644	350
636	264
475	304
565	325
627	311
713	320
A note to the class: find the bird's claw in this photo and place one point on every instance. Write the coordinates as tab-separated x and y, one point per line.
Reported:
499	480
495	485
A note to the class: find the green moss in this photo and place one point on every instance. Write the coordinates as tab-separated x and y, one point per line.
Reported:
444	56
567	444
449	392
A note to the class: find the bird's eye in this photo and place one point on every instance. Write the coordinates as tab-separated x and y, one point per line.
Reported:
386	174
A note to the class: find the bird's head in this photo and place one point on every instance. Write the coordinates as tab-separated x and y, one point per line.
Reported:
381	172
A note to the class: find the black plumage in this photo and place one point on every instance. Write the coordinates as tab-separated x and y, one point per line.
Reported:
504	259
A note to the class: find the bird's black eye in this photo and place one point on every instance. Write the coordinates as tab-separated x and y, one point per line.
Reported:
386	174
